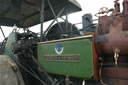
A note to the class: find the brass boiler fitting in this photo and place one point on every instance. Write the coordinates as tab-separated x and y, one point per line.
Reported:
116	55
103	10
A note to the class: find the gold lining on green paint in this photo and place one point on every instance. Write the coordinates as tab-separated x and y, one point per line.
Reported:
64	58
67	39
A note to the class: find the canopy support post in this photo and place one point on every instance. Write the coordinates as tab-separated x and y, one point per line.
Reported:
41	20
66	22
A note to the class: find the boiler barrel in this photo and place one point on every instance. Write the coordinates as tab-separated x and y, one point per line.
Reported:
111	34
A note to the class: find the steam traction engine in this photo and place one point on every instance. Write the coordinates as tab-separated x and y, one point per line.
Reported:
64	56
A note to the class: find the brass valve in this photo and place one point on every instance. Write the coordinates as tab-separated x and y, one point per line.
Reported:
103	10
116	55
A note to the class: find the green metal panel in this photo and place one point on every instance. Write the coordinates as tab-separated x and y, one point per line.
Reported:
82	46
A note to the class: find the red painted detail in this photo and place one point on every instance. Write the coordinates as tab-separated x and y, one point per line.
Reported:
95	60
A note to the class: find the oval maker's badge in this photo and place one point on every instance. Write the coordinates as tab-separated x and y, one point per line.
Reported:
59	49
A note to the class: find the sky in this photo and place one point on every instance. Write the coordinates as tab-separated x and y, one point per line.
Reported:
88	6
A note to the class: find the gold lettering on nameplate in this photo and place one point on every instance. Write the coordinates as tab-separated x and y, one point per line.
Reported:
68	58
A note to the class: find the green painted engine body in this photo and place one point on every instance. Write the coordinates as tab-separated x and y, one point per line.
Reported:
8	46
76	58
